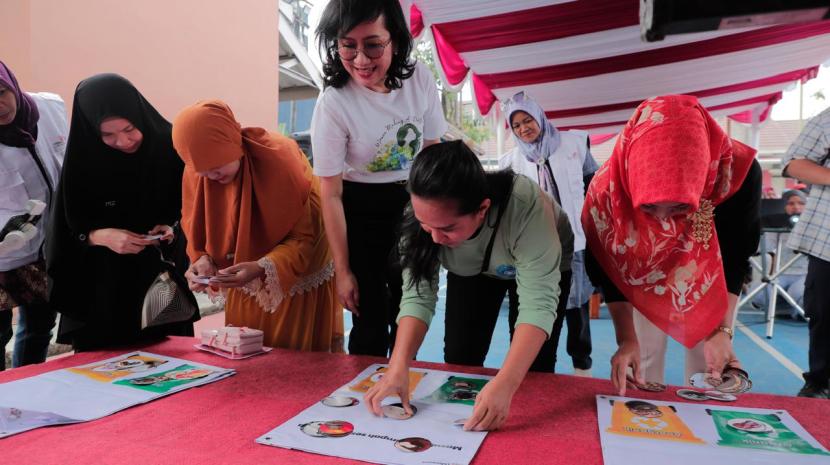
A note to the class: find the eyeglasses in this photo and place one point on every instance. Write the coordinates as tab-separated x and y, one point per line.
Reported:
372	51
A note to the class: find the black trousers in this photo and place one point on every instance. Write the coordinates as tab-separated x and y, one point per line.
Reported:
817	308
472	310
373	214
34	332
5	334
578	343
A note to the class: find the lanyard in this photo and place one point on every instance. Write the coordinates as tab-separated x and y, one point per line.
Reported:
485	265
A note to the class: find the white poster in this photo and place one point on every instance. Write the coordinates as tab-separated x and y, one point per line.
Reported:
340	425
680	433
95	390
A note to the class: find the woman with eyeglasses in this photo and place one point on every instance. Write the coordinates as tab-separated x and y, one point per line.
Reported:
378	110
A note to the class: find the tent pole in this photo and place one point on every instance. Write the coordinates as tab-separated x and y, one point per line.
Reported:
499	131
755	128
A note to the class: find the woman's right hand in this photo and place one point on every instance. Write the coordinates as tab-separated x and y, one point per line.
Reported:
347	290
395	382
202	267
119	241
627	355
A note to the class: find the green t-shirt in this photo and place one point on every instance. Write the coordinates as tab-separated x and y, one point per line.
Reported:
527	248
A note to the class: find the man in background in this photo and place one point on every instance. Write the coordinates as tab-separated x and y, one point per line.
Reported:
793	278
807	159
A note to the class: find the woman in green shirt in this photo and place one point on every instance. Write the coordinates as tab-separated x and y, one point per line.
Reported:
499	225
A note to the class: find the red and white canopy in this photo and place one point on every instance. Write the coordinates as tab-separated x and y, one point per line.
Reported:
584	61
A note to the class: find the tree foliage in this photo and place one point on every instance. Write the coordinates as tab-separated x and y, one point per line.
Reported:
454	113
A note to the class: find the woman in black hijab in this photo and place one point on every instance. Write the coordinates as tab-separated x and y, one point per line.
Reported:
121	183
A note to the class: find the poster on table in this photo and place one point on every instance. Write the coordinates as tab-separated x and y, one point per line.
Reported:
340	425
98	389
680	433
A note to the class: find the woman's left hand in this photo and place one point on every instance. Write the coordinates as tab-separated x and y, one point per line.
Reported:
165	231
237	275
492	406
719	353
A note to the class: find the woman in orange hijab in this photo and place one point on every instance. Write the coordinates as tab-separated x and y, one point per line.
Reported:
671	220
251	212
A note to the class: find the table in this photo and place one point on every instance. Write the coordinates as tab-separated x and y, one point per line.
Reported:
553	418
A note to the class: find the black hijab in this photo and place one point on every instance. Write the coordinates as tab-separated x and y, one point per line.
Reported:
103	187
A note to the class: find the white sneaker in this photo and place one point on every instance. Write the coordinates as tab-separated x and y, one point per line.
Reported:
583	373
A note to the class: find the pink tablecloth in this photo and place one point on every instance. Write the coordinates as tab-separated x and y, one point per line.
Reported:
552	421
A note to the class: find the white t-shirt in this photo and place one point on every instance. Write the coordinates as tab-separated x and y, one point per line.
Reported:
372	137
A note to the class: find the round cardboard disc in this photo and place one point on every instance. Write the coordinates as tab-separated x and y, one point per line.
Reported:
691	394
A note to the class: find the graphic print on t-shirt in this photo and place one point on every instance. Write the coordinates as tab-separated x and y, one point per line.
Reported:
398	152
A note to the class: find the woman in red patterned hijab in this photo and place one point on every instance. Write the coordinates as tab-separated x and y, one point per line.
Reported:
653	218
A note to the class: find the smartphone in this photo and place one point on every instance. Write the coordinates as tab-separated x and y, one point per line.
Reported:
201	280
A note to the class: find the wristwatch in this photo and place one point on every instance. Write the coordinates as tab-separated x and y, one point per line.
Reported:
725	329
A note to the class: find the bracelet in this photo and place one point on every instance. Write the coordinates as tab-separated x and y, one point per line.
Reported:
725	329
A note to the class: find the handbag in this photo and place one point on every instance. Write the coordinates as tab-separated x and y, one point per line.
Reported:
168	300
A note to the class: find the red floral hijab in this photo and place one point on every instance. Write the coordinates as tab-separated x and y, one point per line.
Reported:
671	150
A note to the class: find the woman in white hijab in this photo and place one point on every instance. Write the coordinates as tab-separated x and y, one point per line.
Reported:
561	163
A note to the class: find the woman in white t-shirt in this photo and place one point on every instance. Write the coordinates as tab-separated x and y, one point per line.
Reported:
378	110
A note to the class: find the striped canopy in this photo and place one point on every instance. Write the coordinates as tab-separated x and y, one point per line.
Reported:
585	63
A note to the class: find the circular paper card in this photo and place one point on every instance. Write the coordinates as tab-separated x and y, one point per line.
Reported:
703	381
336	428
339	401
734	382
413	444
721	396
312	429
651	386
750	425
397	411
691	394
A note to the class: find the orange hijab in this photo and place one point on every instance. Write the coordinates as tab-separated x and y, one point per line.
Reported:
671	150
246	218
